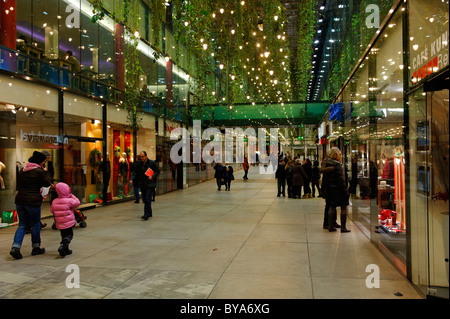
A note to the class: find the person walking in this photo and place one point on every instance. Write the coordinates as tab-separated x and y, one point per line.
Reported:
289	174
134	167
219	174
298	176
245	166
307	167
315	179
147	174
280	176
335	189
28	200
228	176
62	208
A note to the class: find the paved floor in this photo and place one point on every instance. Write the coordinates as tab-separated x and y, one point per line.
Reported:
204	244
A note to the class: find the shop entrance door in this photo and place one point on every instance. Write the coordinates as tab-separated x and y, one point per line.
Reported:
81	168
438	201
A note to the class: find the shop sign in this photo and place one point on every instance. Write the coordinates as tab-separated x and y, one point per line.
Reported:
336	111
38	137
431	59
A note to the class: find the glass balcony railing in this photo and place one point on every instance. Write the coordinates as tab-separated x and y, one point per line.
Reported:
87	83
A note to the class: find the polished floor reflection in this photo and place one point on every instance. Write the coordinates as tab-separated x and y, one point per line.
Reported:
202	243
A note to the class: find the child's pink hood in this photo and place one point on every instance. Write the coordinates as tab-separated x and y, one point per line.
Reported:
62	189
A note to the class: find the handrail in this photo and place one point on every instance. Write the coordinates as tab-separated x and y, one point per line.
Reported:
30	67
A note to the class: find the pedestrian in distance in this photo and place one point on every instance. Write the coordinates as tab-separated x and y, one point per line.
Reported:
298	177
337	194
315	179
245	166
30	180
324	169
289	174
219	175
147	174
63	210
280	176
307	167
228	176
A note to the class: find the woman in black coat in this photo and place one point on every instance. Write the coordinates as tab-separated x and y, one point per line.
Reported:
28	202
298	177
334	190
228	176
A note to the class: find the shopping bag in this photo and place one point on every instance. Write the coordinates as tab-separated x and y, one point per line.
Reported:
9	217
92	197
45	191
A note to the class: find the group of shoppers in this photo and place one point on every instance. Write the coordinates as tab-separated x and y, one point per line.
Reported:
34	183
224	175
298	175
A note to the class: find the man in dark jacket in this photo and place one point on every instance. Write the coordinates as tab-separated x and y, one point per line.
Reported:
280	175
28	202
219	174
315	179
146	176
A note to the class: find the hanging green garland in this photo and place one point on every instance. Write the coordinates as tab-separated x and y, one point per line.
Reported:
95	157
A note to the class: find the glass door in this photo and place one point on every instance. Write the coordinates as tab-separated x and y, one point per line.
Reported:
438	201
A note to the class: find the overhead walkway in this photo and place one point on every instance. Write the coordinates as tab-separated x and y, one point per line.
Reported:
205	244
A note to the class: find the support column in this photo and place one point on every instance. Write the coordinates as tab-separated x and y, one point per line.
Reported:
120	57
8	23
169	83
8	17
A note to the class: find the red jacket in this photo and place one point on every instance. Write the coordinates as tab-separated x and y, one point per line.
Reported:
63	206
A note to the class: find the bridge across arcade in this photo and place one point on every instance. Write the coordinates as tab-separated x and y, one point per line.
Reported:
294	113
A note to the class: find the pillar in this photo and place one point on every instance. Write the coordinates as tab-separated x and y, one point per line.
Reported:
169	83
120	56
8	23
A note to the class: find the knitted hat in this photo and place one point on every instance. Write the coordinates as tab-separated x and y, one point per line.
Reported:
46	153
37	158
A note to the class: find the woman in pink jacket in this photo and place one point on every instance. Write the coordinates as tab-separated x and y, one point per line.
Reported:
62	208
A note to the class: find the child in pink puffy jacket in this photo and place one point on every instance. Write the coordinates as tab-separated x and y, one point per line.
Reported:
62	208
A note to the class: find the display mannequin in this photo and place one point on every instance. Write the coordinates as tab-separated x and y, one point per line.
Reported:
123	173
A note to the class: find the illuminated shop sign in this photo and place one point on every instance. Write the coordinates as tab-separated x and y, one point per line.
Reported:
336	111
431	59
38	137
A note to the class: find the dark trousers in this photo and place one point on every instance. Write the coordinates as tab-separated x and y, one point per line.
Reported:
147	194
297	191
307	189
66	235
245	175
136	192
332	215
227	184
219	182
29	217
281	183
315	184
289	187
